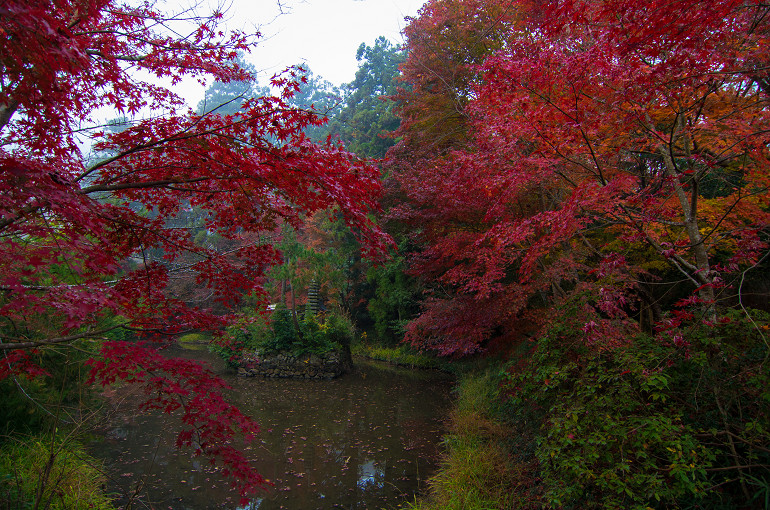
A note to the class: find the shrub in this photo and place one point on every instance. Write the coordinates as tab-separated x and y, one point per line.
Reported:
316	335
246	334
657	422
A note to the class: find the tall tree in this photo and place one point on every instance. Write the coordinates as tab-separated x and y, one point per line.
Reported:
434	202
77	239
226	98
367	121
319	96
604	145
638	130
445	45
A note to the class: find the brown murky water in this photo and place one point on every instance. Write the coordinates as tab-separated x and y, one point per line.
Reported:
367	440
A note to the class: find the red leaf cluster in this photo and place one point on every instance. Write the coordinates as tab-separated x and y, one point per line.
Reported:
184	388
89	245
543	139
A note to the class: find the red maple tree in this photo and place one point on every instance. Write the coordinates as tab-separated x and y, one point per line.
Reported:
88	246
600	140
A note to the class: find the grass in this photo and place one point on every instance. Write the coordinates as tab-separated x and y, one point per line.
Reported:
194	341
401	355
478	471
56	476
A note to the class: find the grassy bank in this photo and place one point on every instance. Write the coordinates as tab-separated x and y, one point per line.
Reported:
478	471
401	355
57	475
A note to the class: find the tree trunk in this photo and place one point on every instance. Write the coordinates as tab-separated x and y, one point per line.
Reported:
702	274
294	319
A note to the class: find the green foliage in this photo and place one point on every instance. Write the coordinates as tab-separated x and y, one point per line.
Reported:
29	404
223	98
284	334
17	412
394	303
246	334
652	423
37	473
320	96
477	471
613	438
403	355
316	335
367	119
334	328
193	338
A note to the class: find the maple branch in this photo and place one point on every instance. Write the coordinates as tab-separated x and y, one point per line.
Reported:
6	288
564	156
16	344
746	312
20	214
184	134
595	159
737	466
676	260
703	267
126	58
140	185
730	208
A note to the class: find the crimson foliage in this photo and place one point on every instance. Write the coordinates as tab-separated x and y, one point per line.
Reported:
586	184
88	247
548	146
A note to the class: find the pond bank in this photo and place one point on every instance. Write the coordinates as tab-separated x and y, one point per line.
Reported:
402	356
478	470
282	365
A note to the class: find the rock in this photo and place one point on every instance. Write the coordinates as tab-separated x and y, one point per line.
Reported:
283	364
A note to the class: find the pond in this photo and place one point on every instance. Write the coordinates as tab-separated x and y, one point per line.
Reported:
365	440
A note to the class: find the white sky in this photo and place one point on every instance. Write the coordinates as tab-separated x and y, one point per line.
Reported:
324	34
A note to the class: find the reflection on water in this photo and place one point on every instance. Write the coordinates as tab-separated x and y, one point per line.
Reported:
370	475
366	440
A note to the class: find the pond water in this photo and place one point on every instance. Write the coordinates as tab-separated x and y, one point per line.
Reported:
366	440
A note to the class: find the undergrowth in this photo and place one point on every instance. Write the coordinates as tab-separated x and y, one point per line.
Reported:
401	355
477	472
58	475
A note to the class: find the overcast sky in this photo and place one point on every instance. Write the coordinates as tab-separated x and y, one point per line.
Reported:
324	34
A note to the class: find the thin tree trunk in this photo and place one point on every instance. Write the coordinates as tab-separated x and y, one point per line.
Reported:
689	206
294	312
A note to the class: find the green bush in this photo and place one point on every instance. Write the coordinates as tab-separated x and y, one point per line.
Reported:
316	335
25	402
284	334
58	476
651	422
310	335
247	334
